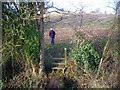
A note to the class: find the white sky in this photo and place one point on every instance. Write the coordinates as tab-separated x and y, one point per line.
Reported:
92	5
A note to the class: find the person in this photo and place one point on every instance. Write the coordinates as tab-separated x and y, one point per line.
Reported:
52	36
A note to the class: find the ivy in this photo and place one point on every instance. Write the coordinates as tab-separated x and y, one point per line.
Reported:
20	36
85	55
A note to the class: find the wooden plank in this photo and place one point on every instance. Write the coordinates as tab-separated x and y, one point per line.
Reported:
59	58
58	63
58	68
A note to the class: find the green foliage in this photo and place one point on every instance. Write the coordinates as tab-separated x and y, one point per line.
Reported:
85	55
20	37
1	84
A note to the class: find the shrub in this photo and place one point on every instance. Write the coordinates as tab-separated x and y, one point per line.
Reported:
85	55
20	40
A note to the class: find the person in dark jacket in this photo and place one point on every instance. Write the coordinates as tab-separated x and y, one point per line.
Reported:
52	36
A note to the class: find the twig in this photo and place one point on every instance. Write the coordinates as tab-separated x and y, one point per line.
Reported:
83	69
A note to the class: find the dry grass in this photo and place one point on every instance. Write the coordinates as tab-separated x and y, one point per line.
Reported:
93	26
67	34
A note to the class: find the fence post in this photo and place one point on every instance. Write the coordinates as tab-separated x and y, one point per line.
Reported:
65	56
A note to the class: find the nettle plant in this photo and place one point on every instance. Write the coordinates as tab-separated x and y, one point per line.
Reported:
85	55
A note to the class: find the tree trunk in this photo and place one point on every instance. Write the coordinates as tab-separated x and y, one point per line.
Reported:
41	29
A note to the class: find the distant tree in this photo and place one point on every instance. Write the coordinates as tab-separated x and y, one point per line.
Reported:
115	5
92	12
97	10
105	12
118	8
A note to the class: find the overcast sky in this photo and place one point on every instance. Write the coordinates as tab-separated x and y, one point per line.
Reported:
91	5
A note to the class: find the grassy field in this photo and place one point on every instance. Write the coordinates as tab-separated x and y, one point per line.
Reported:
94	25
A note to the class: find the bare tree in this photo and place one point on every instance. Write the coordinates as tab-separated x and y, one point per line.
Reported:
80	9
115	5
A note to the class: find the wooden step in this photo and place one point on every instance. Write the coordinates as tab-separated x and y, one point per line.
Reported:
58	63
59	58
58	68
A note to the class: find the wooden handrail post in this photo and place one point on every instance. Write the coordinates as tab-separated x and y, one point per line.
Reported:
65	56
